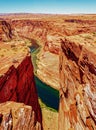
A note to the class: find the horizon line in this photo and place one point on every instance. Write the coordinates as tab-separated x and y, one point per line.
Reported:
9	13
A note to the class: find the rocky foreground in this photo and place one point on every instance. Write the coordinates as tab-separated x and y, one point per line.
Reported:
17	116
17	84
78	83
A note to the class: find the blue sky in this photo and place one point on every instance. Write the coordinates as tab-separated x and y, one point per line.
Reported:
48	6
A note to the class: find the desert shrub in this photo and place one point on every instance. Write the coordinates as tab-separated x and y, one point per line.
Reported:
2	55
12	46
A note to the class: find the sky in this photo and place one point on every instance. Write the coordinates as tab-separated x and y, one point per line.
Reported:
48	6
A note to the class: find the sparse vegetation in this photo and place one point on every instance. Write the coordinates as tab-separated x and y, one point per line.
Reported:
13	46
94	33
88	37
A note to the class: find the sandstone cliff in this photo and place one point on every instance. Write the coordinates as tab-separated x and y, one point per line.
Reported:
30	29
40	27
77	109
17	84
53	44
16	76
5	31
48	68
17	116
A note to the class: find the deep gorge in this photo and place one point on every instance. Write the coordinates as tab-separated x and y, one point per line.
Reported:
47	94
67	53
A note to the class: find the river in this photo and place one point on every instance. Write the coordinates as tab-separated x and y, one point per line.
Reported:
48	95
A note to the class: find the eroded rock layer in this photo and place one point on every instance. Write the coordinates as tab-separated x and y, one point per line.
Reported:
5	31
17	81
47	30
17	84
48	68
77	109
17	116
39	27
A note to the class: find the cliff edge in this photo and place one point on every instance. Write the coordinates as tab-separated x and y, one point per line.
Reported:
5	30
18	85
77	109
17	79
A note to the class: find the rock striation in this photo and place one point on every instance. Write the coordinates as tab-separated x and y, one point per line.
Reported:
5	31
17	84
30	29
53	44
77	110
39	27
47	31
17	116
48	68
17	80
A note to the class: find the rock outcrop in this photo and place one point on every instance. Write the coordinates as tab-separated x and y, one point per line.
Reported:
17	84
17	116
53	44
48	68
16	75
5	31
77	109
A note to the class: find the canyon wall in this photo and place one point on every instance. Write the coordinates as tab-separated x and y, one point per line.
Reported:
48	62
47	31
30	29
17	116
5	31
17	84
40	28
77	110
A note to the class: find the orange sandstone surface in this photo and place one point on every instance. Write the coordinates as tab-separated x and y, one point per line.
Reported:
17	81
77	109
17	116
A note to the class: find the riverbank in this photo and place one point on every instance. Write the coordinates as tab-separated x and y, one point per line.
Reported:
44	91
47	94
46	66
48	97
49	117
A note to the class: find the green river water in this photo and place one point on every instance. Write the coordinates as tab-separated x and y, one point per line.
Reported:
48	95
